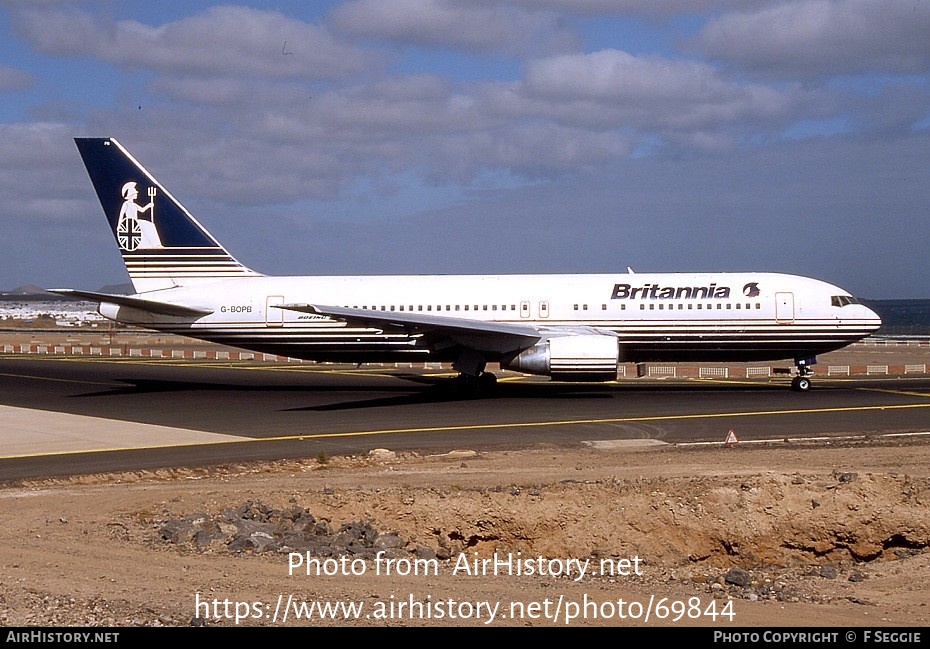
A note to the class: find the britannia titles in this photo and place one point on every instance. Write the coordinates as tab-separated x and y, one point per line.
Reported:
657	292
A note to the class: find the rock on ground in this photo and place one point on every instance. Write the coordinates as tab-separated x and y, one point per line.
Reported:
781	535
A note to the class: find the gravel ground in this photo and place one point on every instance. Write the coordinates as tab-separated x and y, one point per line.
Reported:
787	535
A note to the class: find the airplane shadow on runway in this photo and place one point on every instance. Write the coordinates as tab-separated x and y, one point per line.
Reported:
428	390
439	390
148	386
425	391
441	393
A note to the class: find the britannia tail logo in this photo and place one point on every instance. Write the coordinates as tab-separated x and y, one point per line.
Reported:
133	231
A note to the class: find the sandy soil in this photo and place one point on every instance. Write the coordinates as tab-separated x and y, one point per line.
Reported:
821	535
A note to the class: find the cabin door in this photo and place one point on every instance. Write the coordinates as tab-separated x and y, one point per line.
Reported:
274	317
784	307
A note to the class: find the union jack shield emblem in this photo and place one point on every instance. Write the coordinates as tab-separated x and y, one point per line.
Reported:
129	234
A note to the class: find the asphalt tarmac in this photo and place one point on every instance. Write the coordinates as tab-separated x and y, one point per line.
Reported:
62	416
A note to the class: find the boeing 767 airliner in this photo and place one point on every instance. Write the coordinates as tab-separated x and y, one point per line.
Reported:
566	327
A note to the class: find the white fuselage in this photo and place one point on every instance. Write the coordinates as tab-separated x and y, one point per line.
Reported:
567	327
656	317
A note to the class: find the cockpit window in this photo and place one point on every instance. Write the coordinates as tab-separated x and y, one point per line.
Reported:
843	300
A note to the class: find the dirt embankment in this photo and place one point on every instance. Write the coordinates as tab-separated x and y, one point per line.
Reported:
793	535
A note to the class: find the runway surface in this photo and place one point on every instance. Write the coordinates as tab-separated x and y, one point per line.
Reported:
64	415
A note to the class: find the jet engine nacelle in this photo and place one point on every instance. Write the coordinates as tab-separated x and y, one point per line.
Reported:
587	357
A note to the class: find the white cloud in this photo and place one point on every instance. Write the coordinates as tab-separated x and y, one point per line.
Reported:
28	145
41	181
822	38
13	79
649	92
444	23
222	41
611	75
570	110
536	149
658	8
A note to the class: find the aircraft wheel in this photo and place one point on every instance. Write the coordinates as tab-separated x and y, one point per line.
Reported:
465	386
487	382
800	384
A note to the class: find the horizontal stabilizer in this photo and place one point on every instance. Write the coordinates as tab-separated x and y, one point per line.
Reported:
152	306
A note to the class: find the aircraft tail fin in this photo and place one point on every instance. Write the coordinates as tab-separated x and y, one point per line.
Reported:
162	245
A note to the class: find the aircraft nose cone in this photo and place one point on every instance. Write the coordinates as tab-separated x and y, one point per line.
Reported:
871	315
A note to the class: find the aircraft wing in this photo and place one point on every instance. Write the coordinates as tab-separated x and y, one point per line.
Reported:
152	306
478	334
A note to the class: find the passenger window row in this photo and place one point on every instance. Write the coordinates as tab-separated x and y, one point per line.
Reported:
577	307
439	307
701	305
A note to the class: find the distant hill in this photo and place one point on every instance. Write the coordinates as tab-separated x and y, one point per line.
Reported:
33	292
28	289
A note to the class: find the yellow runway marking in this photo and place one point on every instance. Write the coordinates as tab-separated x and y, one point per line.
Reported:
149	447
575	422
464	427
237	439
906	393
49	378
309	369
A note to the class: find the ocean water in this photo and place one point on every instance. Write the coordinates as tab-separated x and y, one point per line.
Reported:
902	317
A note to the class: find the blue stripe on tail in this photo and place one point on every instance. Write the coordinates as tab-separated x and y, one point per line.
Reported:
162	244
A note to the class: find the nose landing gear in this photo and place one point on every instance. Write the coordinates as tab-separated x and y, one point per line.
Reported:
802	382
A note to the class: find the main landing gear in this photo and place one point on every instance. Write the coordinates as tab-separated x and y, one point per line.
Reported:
802	382
470	386
472	380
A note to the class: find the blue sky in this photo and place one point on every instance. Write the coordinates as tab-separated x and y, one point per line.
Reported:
481	136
